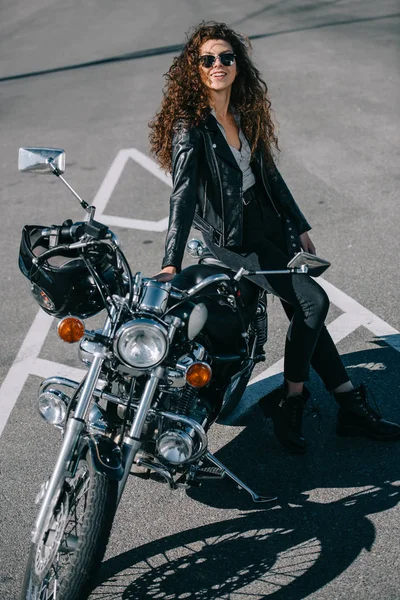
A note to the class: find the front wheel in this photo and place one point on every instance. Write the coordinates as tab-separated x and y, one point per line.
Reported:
62	563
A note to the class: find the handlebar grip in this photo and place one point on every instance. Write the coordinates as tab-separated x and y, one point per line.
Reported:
71	233
66	233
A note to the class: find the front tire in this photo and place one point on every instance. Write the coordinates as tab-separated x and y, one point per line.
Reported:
61	565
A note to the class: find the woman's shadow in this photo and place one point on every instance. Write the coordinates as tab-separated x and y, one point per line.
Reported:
288	550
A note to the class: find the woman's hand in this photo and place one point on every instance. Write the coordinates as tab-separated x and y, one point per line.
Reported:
306	243
166	274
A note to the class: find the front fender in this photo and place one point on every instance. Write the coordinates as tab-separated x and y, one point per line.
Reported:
106	456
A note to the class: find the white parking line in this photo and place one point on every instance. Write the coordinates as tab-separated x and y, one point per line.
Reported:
110	181
28	362
375	324
21	367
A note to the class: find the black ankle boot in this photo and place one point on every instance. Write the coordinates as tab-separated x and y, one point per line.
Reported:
287	416
357	418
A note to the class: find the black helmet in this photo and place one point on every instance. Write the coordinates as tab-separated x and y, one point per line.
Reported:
62	284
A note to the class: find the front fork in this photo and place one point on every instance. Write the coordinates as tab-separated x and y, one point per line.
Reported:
132	442
75	425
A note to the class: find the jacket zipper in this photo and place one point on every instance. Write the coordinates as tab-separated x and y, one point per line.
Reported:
221	194
266	189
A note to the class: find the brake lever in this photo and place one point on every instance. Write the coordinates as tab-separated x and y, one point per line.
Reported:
38	260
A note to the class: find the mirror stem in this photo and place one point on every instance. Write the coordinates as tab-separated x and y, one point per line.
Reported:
89	209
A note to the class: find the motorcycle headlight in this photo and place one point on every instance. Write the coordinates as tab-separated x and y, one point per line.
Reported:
52	405
175	446
141	344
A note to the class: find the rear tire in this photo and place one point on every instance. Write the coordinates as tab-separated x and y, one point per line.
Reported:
62	564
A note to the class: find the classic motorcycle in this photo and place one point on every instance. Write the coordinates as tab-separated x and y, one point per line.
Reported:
170	359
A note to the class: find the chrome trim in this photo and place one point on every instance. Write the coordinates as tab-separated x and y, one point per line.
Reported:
96	423
199	351
243	272
225	471
73	430
97	392
72	433
194	425
207	281
186	360
158	469
154	296
173	324
114	238
89	346
66	399
195	247
175	379
88	387
152	323
37	160
132	442
137	286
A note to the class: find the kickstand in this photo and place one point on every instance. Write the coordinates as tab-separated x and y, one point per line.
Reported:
226	472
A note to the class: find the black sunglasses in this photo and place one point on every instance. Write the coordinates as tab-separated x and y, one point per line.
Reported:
207	60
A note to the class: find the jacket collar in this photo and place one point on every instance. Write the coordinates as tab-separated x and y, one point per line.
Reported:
219	143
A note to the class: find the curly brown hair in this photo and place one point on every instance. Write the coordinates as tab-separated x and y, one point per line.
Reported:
186	96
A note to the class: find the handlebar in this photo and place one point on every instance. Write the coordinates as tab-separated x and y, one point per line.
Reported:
217	278
70	232
207	281
38	260
70	236
64	234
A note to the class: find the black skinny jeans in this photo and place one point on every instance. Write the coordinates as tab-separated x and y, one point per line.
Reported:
304	301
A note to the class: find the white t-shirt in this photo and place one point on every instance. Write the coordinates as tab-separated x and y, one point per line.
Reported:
242	156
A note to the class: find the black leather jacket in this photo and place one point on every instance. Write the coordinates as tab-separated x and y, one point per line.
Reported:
207	190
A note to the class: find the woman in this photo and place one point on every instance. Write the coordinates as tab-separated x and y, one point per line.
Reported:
215	133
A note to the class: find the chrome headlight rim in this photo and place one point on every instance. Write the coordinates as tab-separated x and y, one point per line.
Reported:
141	322
184	438
56	400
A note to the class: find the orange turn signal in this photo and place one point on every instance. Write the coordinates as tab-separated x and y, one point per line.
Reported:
198	374
71	329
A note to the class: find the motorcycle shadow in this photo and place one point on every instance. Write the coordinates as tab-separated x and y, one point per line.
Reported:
284	551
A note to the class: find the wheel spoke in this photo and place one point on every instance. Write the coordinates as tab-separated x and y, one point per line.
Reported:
54	565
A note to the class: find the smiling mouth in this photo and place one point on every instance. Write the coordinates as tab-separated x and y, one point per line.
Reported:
219	74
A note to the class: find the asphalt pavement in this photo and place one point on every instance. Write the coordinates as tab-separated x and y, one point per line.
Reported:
332	71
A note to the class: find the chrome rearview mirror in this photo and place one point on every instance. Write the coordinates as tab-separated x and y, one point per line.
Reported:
49	160
315	265
36	160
